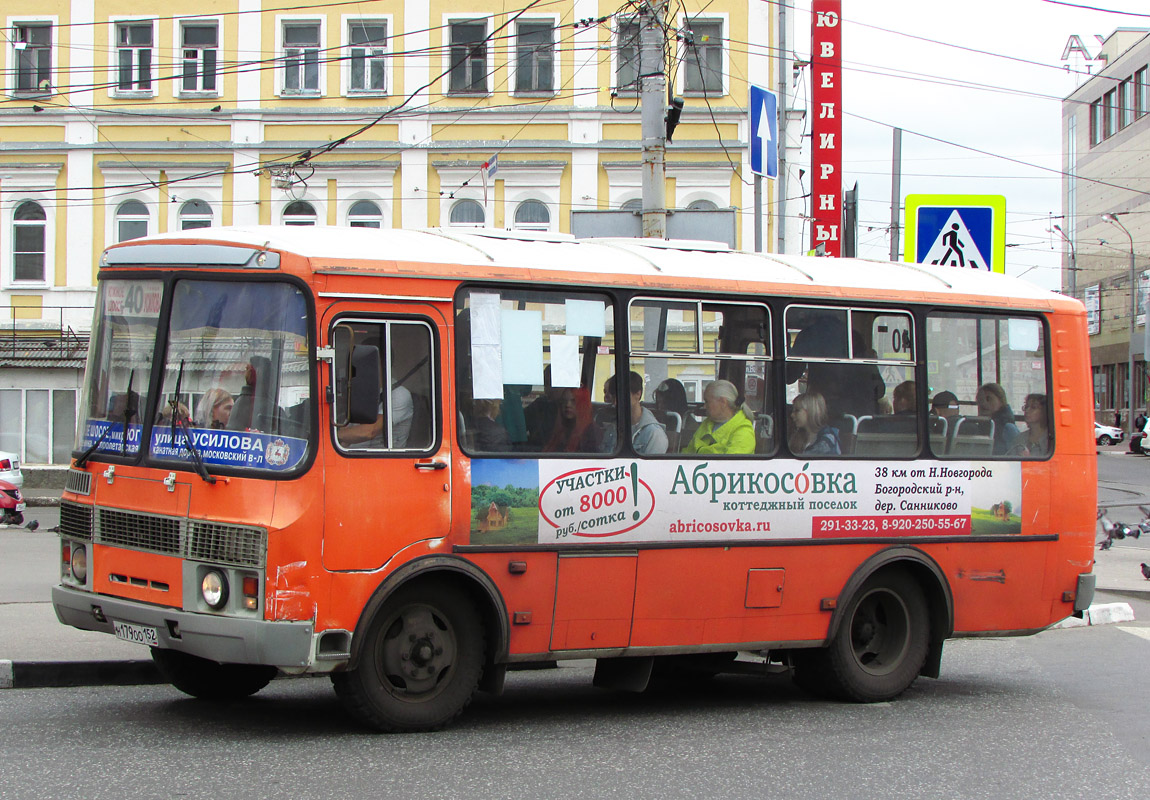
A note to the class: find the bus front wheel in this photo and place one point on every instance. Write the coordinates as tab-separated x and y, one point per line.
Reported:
880	646
420	664
210	680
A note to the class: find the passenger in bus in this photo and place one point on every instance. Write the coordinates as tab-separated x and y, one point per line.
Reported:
991	400
214	408
648	435
944	404
902	398
728	427
1034	442
847	388
811	433
490	435
541	414
575	430
370	434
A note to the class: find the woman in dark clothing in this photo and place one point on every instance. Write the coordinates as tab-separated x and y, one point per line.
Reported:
991	399
575	430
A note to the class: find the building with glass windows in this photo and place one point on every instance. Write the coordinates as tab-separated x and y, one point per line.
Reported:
1105	228
126	119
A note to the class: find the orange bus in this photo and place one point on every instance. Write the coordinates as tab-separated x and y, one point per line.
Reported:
411	459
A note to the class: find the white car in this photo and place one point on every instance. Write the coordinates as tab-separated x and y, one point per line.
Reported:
1107	434
10	469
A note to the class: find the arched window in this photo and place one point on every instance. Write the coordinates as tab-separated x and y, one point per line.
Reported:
532	215
632	205
701	205
28	242
195	214
299	213
364	214
467	213
131	220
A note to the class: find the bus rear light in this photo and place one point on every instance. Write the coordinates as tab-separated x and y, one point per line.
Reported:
251	592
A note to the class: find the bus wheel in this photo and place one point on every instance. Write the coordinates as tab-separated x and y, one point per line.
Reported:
420	664
882	642
209	680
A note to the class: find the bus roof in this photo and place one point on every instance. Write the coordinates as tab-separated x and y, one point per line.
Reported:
474	254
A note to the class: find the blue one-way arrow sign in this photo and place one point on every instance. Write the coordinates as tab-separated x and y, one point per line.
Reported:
764	114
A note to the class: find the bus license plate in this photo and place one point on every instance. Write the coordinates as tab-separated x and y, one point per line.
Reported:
136	634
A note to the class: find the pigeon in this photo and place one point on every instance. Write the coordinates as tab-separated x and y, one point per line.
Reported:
1146	571
33	525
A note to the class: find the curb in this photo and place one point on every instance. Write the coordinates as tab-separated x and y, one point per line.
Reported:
1100	614
56	674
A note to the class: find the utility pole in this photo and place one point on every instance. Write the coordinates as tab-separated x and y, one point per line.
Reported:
895	191
781	181
653	96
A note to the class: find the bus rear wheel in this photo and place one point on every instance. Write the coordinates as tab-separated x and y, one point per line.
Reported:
879	648
210	680
420	664
883	640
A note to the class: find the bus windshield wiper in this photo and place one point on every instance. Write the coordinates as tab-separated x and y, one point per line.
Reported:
129	411
181	421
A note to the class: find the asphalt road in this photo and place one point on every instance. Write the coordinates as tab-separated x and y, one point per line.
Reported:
1059	715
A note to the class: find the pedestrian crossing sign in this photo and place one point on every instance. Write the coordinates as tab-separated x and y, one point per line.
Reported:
957	230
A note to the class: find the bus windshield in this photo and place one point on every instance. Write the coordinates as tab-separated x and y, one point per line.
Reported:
235	389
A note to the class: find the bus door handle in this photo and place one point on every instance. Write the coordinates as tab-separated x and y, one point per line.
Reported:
429	465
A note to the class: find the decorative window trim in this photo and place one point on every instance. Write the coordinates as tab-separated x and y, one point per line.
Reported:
114	24
345	51
178	89
281	67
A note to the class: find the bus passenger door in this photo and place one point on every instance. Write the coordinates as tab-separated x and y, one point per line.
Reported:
594	601
388	482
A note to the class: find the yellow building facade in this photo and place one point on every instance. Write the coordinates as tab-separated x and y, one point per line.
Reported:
122	119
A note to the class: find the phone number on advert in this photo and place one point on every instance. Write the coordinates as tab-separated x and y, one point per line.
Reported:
830	526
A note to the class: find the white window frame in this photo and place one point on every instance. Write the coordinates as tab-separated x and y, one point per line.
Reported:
348	219
681	79
114	49
513	56
117	218
307	197
14	50
281	56
489	66
616	41
10	241
210	217
178	48
378	53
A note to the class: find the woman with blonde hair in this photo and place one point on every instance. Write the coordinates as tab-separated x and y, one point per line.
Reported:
728	427
214	408
810	432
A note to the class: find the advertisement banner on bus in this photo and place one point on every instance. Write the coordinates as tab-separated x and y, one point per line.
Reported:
526	501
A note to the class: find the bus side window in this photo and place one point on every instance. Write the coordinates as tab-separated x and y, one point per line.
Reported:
404	419
988	374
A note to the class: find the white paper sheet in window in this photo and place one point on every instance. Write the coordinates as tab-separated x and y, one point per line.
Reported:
485	319
564	361
522	339
486	372
586	318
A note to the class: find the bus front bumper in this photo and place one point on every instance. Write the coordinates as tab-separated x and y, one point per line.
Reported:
224	639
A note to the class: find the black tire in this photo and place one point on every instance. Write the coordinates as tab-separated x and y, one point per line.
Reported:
421	661
1105	440
13	518
882	642
210	680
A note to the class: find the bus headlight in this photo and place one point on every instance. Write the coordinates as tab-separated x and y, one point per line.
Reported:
214	589
79	563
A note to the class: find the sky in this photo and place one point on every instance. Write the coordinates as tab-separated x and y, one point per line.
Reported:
1003	107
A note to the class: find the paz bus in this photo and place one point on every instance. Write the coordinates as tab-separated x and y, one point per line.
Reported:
412	459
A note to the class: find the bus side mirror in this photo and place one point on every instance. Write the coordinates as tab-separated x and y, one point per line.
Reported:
341	370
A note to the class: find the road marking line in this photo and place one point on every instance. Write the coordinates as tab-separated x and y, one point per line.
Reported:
1142	632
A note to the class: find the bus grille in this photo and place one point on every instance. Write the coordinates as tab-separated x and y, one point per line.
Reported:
78	482
214	542
139	531
75	520
226	544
